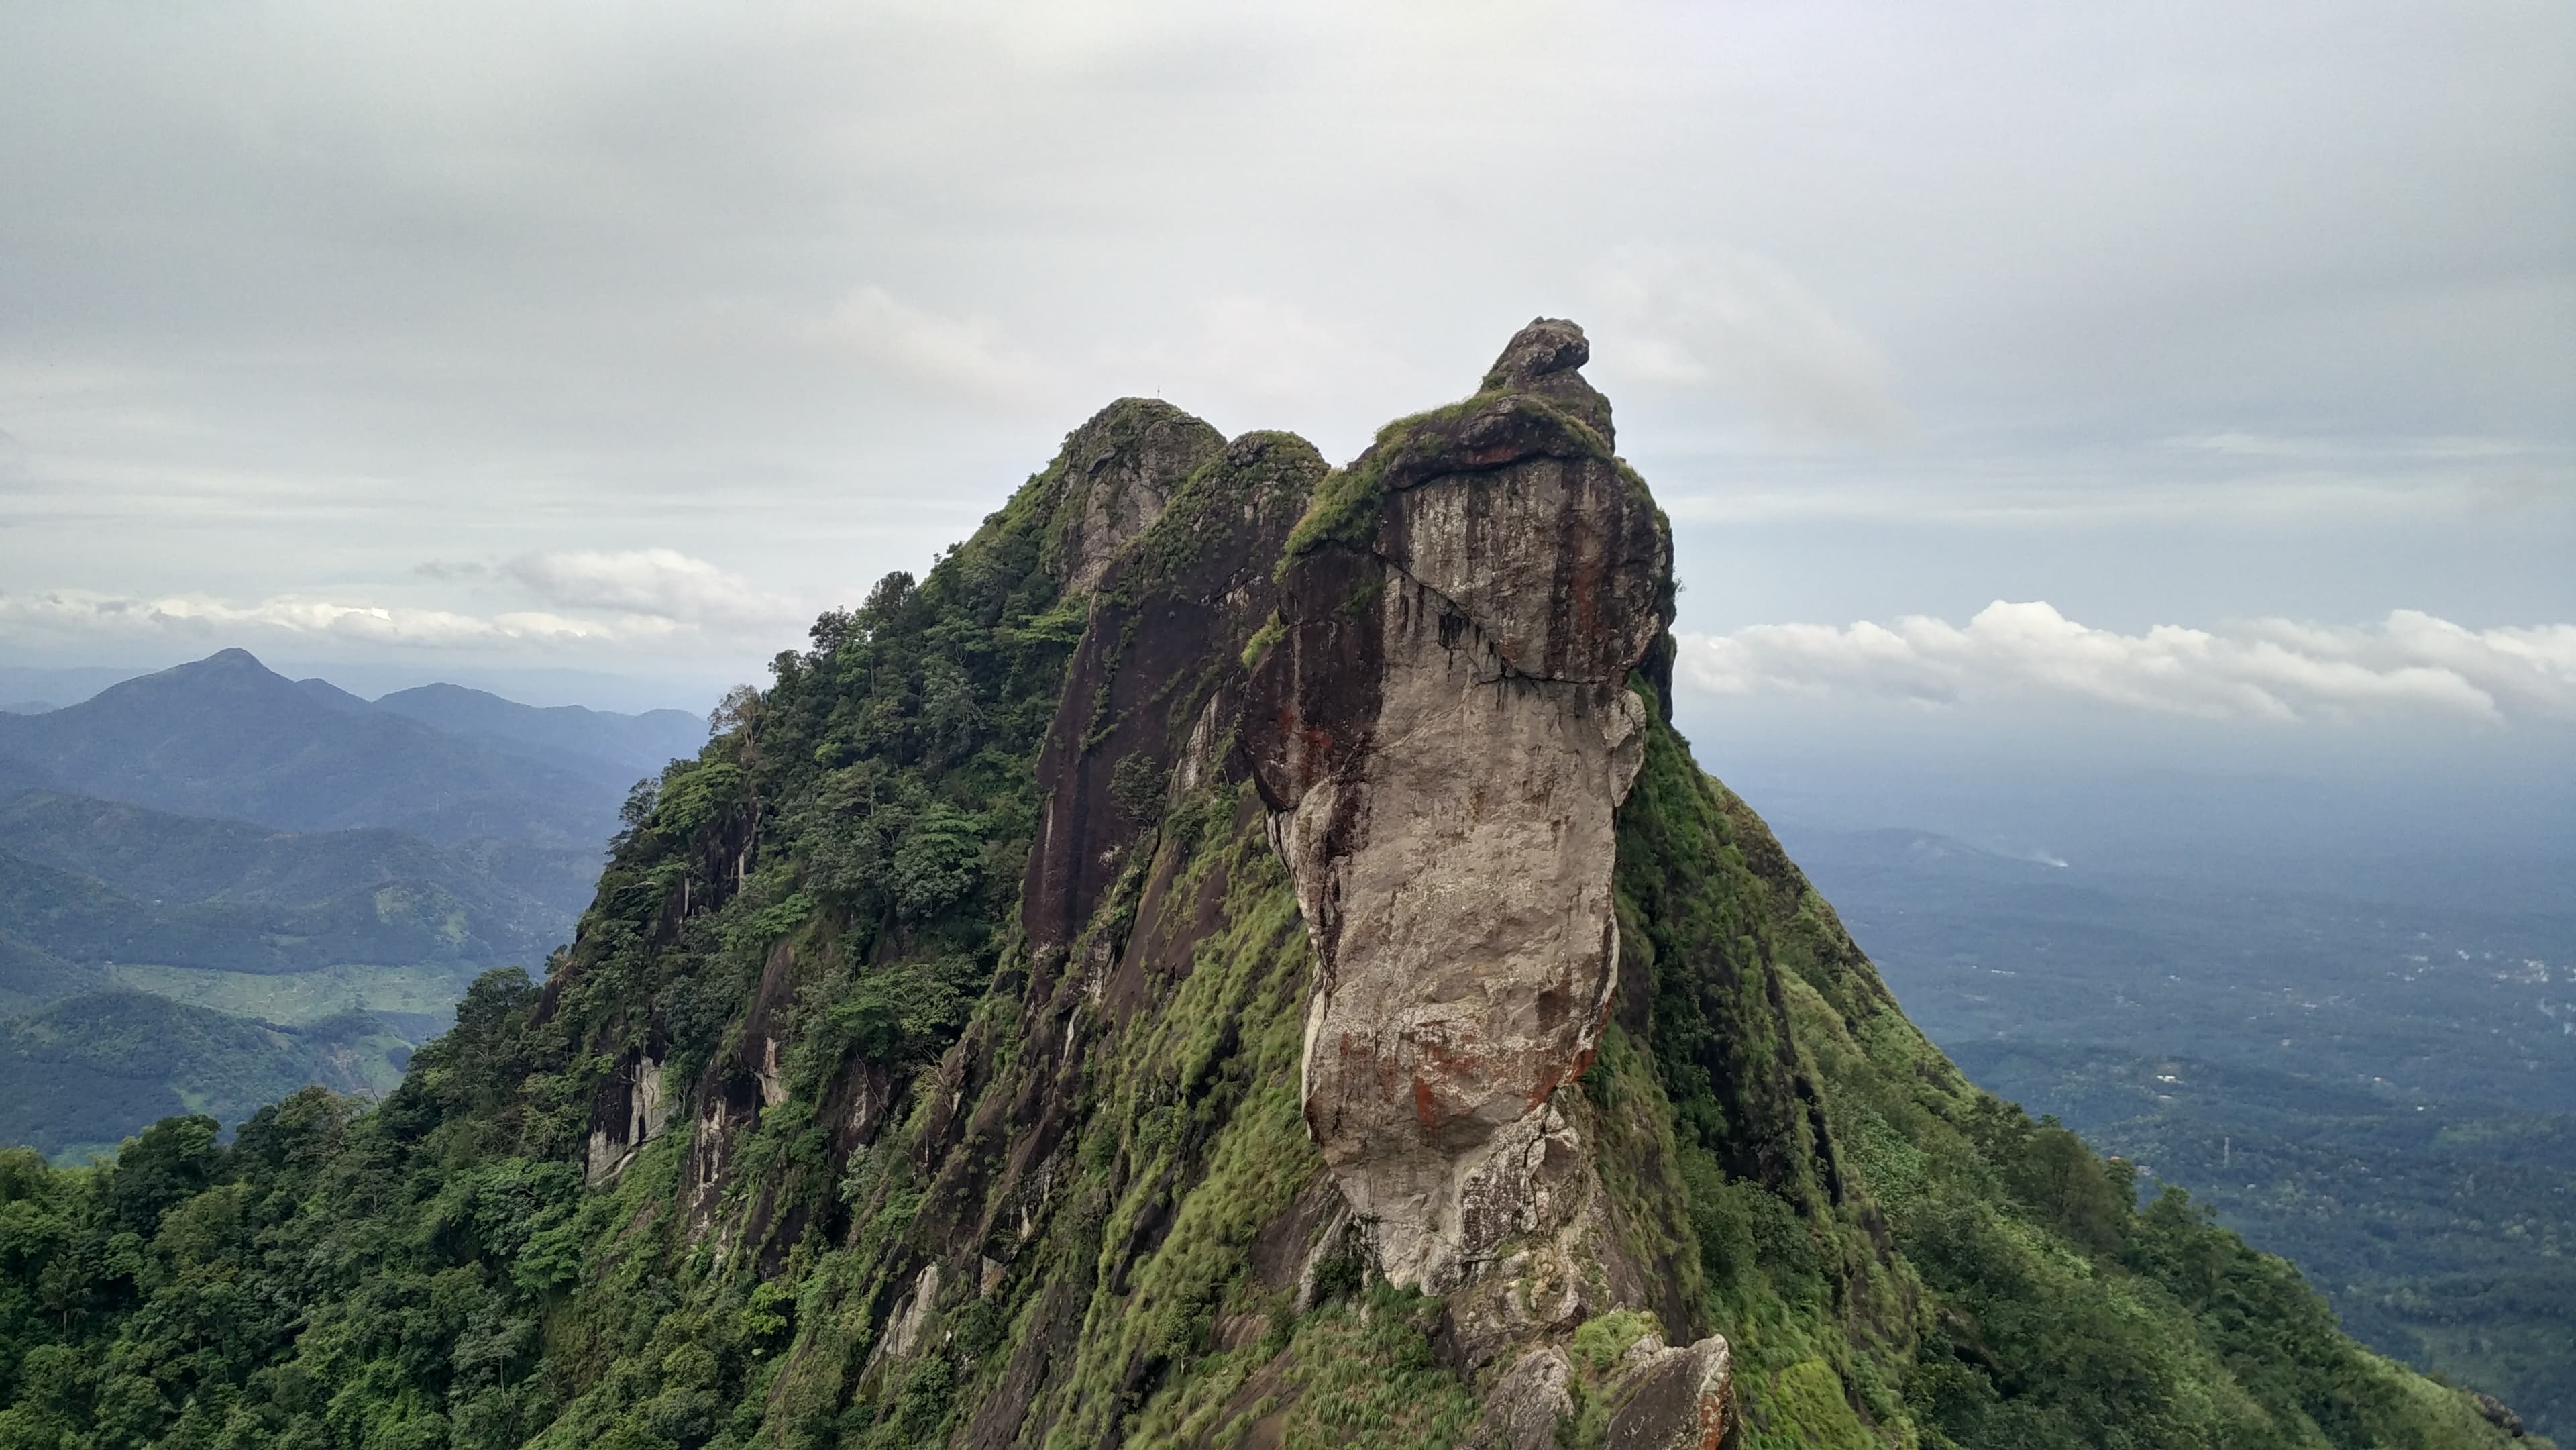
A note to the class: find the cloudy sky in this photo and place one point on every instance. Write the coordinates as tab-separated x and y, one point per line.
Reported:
2204	362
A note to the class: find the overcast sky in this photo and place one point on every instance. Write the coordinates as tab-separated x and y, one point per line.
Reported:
2214	362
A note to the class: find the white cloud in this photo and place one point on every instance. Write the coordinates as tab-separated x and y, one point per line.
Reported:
661	583
2240	443
644	605
85	616
2411	664
1740	325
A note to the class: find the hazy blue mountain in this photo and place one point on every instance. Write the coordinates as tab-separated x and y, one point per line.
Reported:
262	905
226	736
642	744
26	707
398	922
175	963
331	697
58	684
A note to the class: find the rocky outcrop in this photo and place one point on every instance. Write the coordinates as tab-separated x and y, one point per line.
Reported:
1673	1399
1053	1009
1442	726
630	1110
1140	698
1118	471
1527	1402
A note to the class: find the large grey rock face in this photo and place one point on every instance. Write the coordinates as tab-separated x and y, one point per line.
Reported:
1444	732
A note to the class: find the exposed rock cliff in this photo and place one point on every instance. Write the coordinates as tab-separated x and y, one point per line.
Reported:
1236	954
1392	1037
1444	729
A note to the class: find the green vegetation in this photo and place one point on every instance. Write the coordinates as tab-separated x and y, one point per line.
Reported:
2442	1236
76	1076
285	959
1347	503
296	998
2321	1069
1886	1246
951	1183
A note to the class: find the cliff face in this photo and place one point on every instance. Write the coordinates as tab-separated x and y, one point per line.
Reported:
1236	954
1442	729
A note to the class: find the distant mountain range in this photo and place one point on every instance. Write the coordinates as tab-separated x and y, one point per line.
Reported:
218	884
89	884
226	736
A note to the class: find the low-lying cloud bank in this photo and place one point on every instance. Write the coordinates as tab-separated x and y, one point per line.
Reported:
83	613
2411	665
659	598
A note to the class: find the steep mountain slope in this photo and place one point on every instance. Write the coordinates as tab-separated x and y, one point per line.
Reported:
1234	955
225	736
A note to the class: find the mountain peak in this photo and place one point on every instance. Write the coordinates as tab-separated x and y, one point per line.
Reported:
233	662
234	671
1392	1037
1547	346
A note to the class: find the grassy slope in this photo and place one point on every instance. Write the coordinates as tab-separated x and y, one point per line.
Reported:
1978	1277
2442	1236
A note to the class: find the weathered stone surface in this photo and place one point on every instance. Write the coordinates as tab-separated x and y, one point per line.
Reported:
631	1110
1527	1403
2495	1413
1546	357
903	1328
1167	611
1119	470
1674	1399
1444	732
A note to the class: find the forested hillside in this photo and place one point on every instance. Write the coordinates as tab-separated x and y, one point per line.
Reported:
226	736
161	962
943	1057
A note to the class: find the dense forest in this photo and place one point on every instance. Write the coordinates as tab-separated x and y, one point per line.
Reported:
840	1125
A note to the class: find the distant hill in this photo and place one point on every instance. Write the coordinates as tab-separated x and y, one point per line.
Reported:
31	976
157	857
1929	854
2378	1085
642	744
226	736
218	884
82	1074
78	920
92	882
264	959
